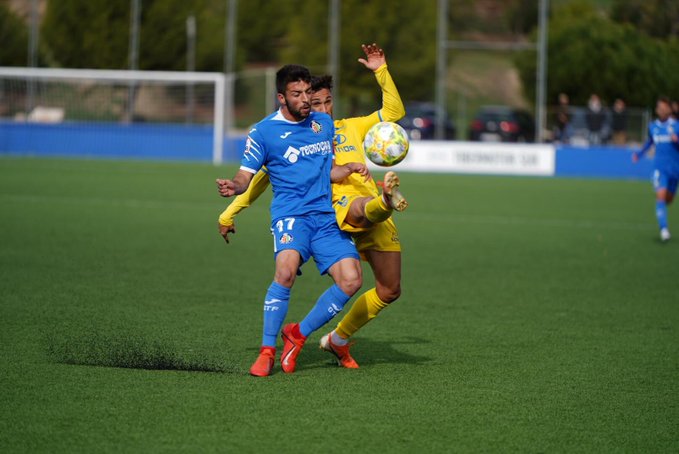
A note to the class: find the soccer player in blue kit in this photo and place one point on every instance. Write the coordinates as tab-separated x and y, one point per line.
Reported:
663	134
296	146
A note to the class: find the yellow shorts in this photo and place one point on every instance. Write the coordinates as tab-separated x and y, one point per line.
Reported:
382	236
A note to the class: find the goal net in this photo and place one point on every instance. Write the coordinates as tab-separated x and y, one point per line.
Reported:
133	114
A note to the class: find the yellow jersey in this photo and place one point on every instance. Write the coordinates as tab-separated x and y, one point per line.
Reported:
350	132
349	135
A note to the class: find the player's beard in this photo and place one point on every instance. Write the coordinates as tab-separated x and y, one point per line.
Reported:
298	114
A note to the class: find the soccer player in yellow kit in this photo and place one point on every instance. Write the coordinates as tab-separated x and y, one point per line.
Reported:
359	207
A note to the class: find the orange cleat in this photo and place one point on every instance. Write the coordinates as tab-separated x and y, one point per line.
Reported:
293	341
264	363
390	188
344	358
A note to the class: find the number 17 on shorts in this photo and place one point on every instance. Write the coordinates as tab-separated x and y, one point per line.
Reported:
283	234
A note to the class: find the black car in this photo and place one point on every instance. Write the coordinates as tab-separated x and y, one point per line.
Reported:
502	124
420	122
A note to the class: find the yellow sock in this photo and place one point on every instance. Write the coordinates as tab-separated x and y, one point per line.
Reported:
377	211
364	309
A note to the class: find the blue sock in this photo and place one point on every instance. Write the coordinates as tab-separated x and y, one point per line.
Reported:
661	213
328	305
275	310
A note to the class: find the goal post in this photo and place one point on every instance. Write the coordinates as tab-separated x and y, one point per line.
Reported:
112	113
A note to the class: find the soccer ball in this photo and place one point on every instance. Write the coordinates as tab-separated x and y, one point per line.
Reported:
386	144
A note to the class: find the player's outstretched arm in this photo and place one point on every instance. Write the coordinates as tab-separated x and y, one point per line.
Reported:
644	149
339	173
237	186
257	186
392	106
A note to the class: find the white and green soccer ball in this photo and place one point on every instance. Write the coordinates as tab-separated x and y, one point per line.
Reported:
386	144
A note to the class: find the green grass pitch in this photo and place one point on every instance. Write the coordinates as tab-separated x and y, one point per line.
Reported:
537	315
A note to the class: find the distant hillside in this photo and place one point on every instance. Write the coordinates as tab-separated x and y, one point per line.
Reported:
22	8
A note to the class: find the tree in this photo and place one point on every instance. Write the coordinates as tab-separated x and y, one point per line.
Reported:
264	26
658	18
522	16
96	33
91	34
410	46
163	40
14	38
589	53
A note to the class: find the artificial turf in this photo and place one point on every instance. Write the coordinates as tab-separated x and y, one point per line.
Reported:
537	315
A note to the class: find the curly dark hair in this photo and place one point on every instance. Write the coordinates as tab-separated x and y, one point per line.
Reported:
291	73
665	100
321	82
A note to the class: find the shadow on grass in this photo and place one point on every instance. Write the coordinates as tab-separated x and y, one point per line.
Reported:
131	351
367	352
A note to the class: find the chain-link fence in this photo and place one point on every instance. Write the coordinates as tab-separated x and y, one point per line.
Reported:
583	127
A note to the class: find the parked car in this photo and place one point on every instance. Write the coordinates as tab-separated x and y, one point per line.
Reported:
502	124
420	122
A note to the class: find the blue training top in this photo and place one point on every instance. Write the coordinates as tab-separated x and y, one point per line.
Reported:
298	158
666	151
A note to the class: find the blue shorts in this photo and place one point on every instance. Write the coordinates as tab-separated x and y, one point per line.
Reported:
665	180
316	236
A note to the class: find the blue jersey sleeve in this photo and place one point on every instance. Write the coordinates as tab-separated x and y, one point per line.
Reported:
674	130
647	145
254	155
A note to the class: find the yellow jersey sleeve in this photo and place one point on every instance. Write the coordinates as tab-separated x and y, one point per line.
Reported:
350	132
257	186
392	106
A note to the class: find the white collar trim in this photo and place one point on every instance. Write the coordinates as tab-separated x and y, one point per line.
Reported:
279	116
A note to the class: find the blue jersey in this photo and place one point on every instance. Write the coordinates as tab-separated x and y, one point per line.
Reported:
666	151
298	157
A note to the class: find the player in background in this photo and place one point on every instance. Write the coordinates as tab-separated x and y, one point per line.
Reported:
360	209
663	134
296	146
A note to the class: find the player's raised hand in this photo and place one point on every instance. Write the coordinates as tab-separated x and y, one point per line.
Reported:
224	230
226	188
374	56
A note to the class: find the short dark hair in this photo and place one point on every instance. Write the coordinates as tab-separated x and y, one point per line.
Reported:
665	99
321	82
291	73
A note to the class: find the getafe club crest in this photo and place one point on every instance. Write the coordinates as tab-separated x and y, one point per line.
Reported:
248	152
286	238
316	126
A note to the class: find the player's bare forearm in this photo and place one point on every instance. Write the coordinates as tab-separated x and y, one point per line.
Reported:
236	186
339	173
257	186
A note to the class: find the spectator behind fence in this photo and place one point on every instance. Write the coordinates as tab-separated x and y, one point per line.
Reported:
596	119
619	122
563	119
